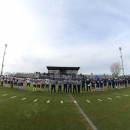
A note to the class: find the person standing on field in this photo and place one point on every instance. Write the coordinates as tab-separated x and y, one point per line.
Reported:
2	78
15	82
65	84
109	84
60	83
113	83
83	85
79	85
93	85
74	85
43	84
129	81
97	82
11	81
47	82
34	84
38	84
21	80
88	83
101	84
53	83
28	83
105	84
70	82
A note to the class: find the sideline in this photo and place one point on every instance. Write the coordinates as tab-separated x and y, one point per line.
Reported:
87	121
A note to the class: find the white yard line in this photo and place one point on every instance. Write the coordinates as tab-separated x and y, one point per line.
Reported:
17	96
118	96
35	100
109	98
48	101
88	101
99	100
85	116
5	94
23	98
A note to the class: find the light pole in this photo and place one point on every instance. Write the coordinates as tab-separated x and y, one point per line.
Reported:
122	60
3	60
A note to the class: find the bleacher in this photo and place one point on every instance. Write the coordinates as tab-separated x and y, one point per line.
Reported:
26	75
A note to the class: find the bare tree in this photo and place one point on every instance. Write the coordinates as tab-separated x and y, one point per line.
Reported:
115	68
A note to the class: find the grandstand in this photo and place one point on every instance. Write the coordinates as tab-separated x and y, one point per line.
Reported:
26	75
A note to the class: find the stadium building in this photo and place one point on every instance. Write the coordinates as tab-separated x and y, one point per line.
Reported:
62	70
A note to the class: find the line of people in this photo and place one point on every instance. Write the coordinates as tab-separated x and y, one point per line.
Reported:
69	85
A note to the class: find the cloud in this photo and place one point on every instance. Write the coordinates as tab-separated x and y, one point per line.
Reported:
86	34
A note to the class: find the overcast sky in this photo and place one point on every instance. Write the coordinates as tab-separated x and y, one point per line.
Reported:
71	33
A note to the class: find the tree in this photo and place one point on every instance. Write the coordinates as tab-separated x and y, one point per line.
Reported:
115	69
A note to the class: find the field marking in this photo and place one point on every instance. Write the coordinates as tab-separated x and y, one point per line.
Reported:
17	96
35	100
23	98
5	94
88	101
99	100
61	102
39	117
109	98
93	118
13	97
118	96
84	117
48	101
75	102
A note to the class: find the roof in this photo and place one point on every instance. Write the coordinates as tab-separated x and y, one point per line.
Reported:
62	68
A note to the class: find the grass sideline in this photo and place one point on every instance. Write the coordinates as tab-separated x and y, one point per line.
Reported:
26	114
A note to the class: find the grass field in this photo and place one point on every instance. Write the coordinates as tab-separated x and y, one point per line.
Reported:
23	110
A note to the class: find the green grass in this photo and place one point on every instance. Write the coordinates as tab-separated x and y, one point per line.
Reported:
18	114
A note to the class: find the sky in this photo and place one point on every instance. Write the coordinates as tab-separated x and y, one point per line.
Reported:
70	33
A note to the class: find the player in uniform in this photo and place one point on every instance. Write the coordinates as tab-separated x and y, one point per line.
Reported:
65	84
88	83
11	81
60	83
105	84
83	85
43	84
101	84
2	78
125	82
5	81
34	84
97	82
28	83
53	84
47	82
129	81
21	80
15	82
93	85
38	84
19	83
74	86
113	83
109	84
8	81
79	85
70	82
